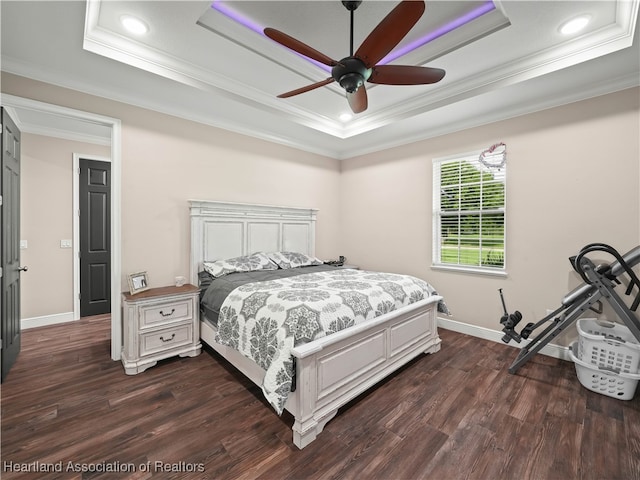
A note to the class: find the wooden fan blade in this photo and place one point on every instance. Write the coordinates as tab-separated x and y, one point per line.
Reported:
298	46
358	100
307	88
405	75
389	32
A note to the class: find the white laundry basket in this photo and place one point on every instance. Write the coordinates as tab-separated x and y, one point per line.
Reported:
601	380
608	345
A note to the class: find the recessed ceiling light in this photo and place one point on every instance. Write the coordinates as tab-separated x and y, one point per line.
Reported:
575	24
345	117
134	25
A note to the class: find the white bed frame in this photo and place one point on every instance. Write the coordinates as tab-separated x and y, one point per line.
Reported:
332	370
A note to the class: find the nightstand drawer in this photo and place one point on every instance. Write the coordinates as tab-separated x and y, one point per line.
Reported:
166	339
168	312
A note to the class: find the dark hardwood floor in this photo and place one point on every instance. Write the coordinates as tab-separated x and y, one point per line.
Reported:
456	414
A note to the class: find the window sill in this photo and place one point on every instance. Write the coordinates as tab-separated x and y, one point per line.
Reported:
470	270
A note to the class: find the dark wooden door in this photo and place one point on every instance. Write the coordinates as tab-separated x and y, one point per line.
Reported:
10	240
95	237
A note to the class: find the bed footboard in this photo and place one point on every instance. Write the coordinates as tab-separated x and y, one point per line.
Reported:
334	370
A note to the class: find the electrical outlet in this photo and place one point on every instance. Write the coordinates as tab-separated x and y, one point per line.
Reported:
65	243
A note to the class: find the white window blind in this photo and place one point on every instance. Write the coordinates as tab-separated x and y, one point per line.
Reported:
469	211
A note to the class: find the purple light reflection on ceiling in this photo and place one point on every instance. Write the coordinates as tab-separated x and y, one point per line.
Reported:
463	20
233	15
458	22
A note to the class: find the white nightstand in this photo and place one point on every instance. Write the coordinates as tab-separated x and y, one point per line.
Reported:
159	323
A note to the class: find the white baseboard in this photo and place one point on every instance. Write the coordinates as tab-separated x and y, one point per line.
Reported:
551	349
33	322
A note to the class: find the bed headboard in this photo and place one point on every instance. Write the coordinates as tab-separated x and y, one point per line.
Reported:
222	230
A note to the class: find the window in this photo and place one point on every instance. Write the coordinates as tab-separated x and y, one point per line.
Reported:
469	211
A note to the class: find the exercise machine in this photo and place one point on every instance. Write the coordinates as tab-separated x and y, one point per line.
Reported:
599	284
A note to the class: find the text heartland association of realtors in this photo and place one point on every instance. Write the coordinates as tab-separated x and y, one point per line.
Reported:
101	467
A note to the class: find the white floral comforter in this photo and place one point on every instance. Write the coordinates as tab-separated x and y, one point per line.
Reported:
265	320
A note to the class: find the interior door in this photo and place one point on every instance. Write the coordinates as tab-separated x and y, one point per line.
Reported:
95	237
10	243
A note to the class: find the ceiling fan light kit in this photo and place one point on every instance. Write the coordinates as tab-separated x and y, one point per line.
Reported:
350	73
353	71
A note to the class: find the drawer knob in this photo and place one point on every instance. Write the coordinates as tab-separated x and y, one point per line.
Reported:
173	335
167	314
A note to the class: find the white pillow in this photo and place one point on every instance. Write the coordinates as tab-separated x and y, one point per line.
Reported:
246	263
293	259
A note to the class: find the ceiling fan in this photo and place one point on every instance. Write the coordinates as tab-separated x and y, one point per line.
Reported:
353	71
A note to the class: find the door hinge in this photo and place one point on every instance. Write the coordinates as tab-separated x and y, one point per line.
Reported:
0	271
0	200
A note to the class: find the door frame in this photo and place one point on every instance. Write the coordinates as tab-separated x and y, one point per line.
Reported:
12	101
76	227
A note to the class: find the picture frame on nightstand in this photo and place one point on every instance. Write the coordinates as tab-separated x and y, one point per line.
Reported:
138	282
